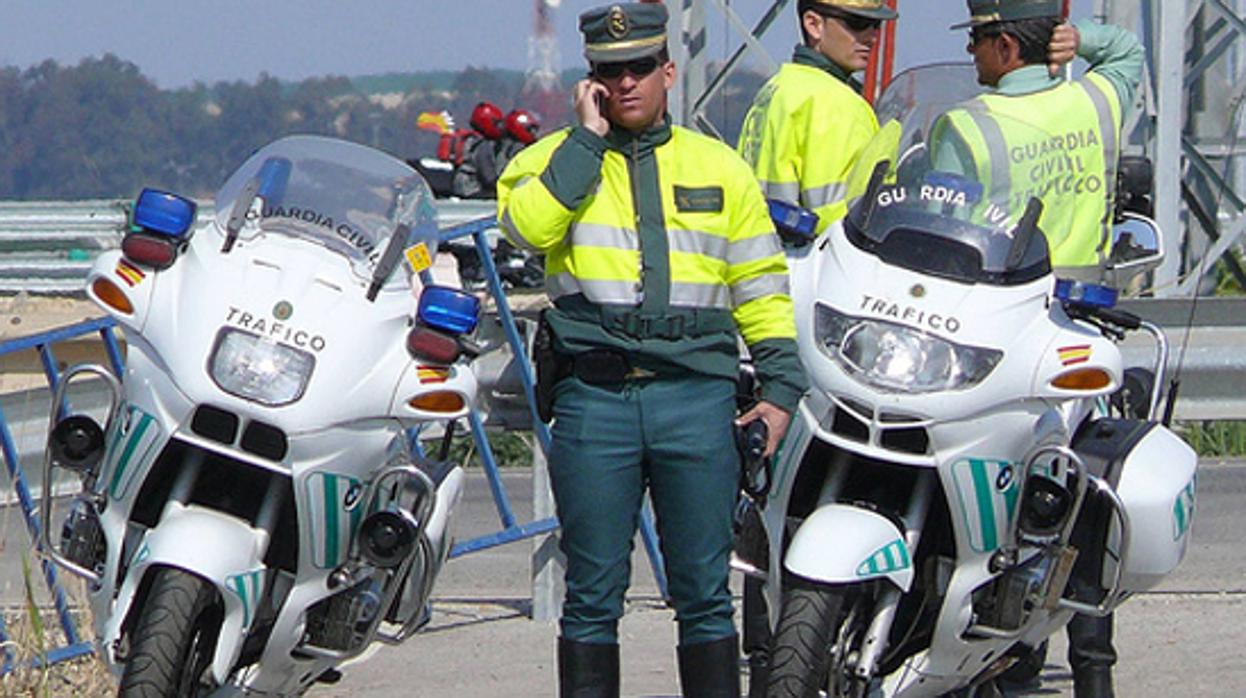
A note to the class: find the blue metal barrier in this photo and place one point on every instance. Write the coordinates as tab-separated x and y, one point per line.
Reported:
42	343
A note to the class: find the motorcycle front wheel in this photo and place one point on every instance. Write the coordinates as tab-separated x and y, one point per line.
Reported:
173	638
818	627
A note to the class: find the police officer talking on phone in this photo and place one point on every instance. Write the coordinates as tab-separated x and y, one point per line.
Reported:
659	254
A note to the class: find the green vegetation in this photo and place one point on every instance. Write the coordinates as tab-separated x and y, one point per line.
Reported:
510	449
1215	439
101	129
1227	284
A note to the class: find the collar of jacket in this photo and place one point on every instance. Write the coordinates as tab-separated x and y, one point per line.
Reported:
807	56
621	139
1027	80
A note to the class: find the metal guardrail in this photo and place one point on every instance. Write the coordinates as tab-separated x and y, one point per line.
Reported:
46	247
1208	339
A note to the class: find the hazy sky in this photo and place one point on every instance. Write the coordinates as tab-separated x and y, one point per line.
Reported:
176	42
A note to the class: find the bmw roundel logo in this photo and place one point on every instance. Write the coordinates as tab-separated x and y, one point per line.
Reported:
283	310
351	500
918	291
1004	479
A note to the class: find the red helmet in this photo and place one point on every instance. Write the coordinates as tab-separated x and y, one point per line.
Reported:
487	119
521	124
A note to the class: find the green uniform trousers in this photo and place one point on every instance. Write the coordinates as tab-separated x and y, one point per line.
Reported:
675	437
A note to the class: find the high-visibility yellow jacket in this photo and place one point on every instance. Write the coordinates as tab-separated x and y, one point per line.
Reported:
1059	146
657	244
804	132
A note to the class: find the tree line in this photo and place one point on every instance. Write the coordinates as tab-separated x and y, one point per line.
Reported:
101	129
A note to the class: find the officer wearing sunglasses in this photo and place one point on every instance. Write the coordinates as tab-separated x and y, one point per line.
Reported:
660	255
808	124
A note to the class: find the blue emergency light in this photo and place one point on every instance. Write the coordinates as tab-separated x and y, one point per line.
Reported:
1093	295
163	213
792	219
274	176
448	309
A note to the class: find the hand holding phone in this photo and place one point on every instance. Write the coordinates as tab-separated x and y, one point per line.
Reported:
590	105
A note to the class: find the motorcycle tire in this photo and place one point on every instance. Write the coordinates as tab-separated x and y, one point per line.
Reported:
173	639
799	657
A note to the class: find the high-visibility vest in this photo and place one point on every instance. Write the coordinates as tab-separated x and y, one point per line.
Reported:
1060	145
721	252
802	137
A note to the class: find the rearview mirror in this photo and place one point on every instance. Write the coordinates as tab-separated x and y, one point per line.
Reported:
1137	248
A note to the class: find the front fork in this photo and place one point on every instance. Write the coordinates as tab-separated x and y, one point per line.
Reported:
875	642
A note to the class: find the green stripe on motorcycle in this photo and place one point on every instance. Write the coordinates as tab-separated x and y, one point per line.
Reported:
330	520
890	558
124	461
240	588
984	494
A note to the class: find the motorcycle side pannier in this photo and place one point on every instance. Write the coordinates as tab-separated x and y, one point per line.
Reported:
1152	471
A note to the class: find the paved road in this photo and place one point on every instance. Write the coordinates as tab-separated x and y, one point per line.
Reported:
1183	640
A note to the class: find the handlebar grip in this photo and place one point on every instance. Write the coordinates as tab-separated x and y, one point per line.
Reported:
1121	318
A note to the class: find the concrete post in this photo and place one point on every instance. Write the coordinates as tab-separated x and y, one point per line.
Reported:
548	563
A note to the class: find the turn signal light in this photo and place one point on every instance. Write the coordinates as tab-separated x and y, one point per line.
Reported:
111	295
440	401
152	251
1083	379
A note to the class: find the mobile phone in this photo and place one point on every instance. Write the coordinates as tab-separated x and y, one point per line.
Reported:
598	97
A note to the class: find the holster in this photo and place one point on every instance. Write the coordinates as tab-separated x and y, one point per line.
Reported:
551	367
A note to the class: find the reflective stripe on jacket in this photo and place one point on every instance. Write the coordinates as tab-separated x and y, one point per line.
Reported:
1060	145
802	137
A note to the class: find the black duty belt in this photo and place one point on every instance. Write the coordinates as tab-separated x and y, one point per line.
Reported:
608	367
676	323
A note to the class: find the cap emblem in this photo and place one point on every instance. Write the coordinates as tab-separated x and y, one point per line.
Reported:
617	23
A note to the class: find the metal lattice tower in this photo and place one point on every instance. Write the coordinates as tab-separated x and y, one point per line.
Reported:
1193	107
1190	122
543	58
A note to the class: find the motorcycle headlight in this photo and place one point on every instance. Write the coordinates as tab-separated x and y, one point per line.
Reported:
896	358
257	369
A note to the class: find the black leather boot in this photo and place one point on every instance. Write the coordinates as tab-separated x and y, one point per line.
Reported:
587	670
710	669
1093	682
1091	656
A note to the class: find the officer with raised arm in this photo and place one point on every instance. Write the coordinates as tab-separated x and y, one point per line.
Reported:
1032	114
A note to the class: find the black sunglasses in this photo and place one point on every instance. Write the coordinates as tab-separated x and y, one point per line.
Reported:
856	23
977	34
639	67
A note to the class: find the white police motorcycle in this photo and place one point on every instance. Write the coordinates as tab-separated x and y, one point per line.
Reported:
256	509
949	493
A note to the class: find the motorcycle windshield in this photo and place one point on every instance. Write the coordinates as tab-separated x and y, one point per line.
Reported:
942	191
345	197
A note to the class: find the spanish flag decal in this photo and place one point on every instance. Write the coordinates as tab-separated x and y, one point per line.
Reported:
1071	356
129	273
432	374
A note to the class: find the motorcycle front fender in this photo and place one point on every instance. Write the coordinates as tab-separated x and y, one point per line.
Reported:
220	549
840	544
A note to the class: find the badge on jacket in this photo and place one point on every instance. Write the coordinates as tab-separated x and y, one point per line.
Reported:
699	199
